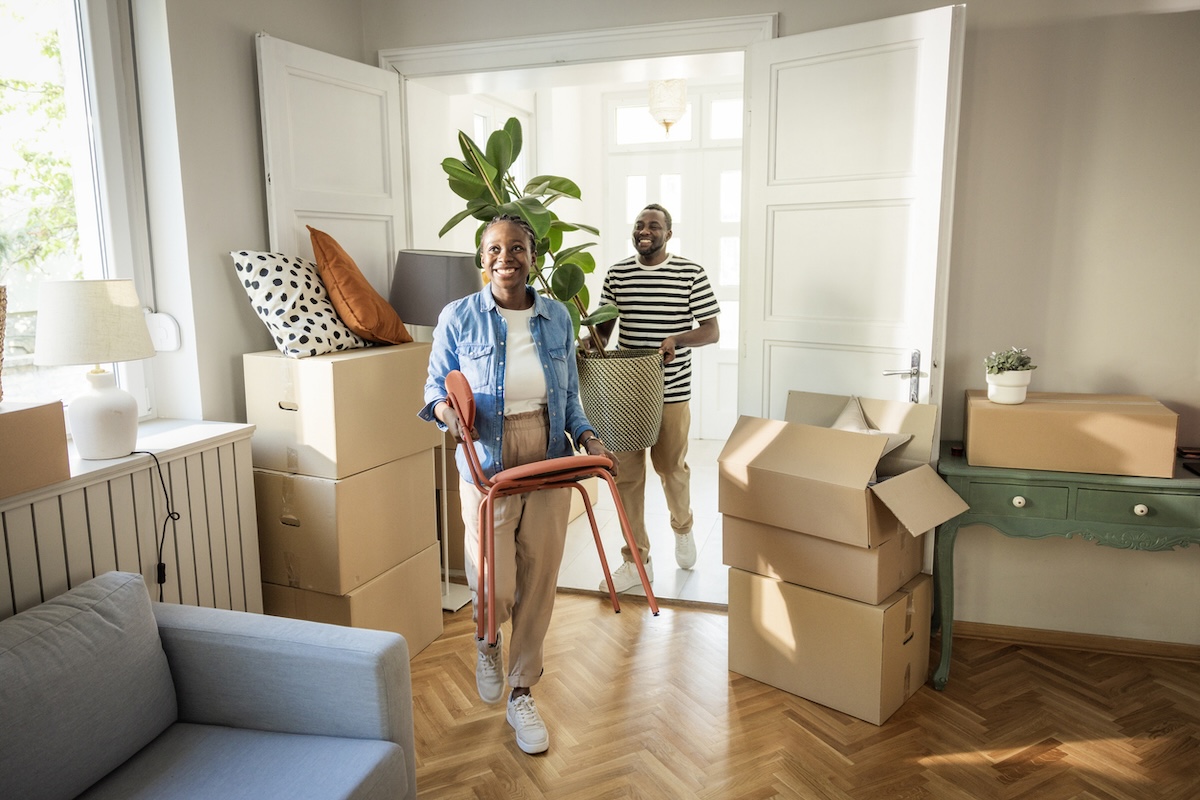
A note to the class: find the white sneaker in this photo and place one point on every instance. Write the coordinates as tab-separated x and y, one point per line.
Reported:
625	577
685	550
489	672
532	736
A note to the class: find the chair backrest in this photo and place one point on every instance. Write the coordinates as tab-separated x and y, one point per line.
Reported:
462	399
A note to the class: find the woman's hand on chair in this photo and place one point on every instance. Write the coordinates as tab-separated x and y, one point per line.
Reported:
449	418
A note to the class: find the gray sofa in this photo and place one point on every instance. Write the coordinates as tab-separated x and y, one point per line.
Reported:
104	694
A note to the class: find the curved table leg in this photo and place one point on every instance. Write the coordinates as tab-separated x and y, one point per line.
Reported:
943	584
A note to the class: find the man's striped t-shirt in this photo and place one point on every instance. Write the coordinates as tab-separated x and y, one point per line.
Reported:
657	302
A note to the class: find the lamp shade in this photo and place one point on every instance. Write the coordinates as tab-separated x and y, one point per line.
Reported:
426	280
90	322
668	101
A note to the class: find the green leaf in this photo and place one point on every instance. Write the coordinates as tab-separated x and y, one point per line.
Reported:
533	212
556	184
566	281
459	170
575	321
602	314
499	151
513	128
475	157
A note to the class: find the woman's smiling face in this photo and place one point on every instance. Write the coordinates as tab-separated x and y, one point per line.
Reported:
507	255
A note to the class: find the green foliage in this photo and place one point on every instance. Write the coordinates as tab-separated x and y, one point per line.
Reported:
483	179
37	194
1011	360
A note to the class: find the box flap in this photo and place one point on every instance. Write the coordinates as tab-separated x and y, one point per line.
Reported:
889	416
803	451
920	499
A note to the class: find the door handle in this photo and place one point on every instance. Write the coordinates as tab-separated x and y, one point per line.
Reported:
914	376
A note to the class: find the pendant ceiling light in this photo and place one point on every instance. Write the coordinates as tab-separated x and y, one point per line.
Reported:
668	101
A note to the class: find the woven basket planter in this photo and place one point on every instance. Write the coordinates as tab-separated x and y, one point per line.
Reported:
622	395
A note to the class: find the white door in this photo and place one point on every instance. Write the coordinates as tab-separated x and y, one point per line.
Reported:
850	166
332	142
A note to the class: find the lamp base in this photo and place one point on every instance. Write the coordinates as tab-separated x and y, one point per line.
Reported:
104	419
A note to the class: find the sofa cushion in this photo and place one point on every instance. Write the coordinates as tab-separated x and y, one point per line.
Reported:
85	686
202	762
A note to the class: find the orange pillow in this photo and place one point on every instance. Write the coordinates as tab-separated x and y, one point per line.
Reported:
361	308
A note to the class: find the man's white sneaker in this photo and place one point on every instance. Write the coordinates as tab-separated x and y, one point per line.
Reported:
625	577
685	550
489	672
532	736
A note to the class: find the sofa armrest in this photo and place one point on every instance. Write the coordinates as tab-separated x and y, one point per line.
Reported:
247	670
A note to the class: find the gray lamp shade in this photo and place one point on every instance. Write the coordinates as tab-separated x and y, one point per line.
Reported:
426	280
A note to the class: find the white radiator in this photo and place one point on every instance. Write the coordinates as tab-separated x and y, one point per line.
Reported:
110	514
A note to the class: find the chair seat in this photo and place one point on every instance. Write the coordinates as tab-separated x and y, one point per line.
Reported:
553	468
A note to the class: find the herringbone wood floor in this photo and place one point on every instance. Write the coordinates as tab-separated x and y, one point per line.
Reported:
645	707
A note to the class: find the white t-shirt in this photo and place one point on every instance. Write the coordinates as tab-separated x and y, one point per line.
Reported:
524	381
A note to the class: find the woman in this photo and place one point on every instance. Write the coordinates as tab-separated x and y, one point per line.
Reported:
516	349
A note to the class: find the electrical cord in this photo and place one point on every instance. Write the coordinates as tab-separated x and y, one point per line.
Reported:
172	515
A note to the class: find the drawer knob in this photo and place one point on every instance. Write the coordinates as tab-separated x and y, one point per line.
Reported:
1141	510
1019	501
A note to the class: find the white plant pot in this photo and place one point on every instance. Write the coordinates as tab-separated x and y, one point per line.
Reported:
1008	388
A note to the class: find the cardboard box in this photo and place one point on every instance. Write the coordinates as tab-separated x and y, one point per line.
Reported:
33	444
333	536
334	415
455	522
868	575
805	477
863	660
406	599
1106	434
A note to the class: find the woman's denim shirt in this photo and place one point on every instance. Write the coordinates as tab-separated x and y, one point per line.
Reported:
470	336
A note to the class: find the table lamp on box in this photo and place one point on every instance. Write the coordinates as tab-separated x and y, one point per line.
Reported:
426	280
423	283
94	322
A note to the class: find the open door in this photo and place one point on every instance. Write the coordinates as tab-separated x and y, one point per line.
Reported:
849	179
332	143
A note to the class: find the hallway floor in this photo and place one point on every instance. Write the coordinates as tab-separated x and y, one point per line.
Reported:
707	582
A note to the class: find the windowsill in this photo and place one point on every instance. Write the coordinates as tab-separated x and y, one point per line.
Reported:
168	439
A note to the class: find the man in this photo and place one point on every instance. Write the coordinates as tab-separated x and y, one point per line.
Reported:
666	302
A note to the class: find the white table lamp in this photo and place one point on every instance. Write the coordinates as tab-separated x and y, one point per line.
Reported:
94	322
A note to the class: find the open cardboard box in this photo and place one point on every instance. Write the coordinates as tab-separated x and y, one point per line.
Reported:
801	475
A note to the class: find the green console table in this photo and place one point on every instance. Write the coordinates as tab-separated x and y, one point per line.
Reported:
1111	510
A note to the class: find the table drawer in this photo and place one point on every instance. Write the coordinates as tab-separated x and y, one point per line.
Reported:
1138	508
1018	500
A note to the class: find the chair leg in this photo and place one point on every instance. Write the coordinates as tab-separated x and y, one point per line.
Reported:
587	505
491	573
633	548
481	577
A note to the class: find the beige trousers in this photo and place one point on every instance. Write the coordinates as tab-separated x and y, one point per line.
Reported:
531	531
669	457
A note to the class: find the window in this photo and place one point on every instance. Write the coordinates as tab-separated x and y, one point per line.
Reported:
70	200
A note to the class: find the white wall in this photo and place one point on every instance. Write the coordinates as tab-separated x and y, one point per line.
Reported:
206	181
1074	230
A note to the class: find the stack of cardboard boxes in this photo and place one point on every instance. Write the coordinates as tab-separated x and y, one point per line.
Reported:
344	483
826	595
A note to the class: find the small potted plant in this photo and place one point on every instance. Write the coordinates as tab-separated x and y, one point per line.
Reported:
1008	375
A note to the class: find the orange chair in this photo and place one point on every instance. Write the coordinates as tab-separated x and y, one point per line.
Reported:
553	473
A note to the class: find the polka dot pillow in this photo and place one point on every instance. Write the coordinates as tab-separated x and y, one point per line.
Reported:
289	298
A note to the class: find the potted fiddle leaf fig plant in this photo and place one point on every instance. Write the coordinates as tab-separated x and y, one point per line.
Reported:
621	390
1008	374
482	177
